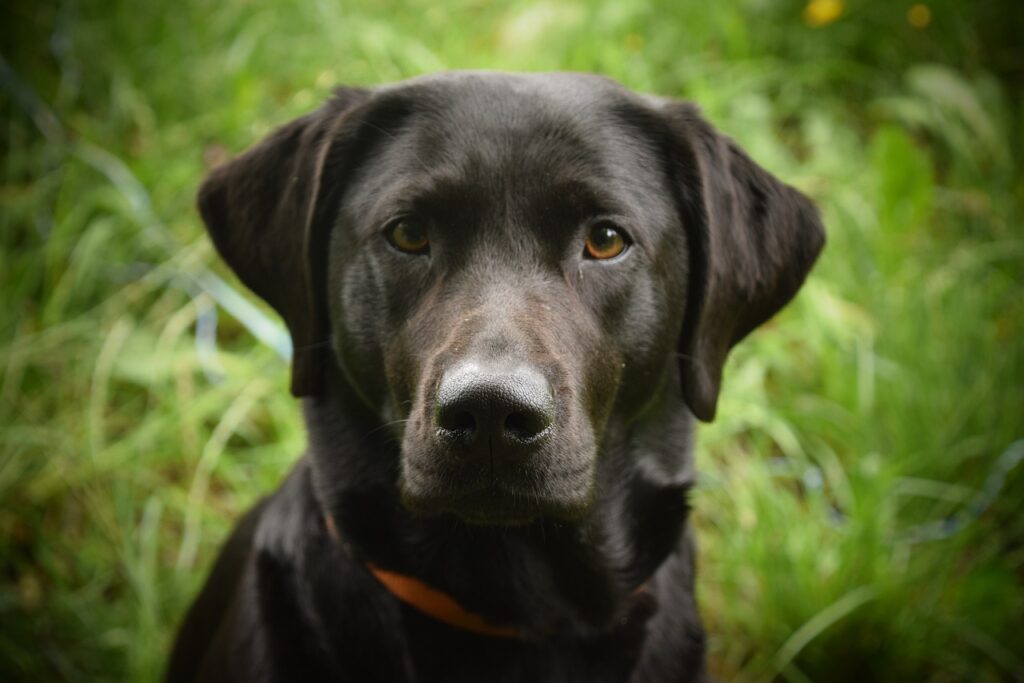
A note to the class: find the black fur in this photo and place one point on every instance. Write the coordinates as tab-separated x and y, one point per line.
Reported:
506	173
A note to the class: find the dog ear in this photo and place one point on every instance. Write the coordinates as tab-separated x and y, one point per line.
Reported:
268	212
753	241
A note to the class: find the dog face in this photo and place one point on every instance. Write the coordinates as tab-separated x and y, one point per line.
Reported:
503	272
508	268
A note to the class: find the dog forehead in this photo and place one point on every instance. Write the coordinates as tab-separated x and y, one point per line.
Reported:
493	93
500	130
481	112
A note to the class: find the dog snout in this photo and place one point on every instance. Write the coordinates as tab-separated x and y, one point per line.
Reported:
494	410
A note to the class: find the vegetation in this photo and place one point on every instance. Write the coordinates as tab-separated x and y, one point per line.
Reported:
859	509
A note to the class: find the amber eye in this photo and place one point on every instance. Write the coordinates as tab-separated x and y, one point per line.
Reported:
605	241
408	236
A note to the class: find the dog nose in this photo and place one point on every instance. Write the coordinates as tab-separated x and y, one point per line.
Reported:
501	409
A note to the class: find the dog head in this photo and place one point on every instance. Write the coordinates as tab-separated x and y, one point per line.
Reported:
506	270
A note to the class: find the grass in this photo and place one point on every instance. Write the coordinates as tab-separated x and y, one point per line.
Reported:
859	509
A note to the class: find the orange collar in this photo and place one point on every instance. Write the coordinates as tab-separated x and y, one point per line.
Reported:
434	603
439	605
430	601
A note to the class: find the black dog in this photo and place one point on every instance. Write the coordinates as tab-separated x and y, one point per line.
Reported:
509	296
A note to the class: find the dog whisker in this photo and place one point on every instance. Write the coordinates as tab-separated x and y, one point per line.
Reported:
385	425
326	343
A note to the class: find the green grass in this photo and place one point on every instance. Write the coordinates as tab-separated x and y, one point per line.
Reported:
883	402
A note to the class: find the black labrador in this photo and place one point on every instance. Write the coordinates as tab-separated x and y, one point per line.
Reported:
509	296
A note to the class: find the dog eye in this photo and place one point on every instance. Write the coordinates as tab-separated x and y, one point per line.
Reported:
605	241
408	236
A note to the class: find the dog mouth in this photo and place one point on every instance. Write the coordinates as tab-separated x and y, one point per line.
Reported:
496	505
493	491
495	485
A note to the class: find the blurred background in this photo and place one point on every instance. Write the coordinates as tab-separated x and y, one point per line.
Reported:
860	507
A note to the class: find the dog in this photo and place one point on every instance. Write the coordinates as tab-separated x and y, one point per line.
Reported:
510	297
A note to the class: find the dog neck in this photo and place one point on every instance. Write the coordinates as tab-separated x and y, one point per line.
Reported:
430	601
436	603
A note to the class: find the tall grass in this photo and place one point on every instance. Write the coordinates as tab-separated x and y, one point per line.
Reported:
859	507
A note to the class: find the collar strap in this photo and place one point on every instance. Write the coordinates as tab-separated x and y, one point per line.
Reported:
431	601
439	605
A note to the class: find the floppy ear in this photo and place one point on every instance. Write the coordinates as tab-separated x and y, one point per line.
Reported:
753	241
265	211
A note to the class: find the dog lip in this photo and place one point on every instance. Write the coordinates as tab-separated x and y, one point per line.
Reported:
494	503
469	475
